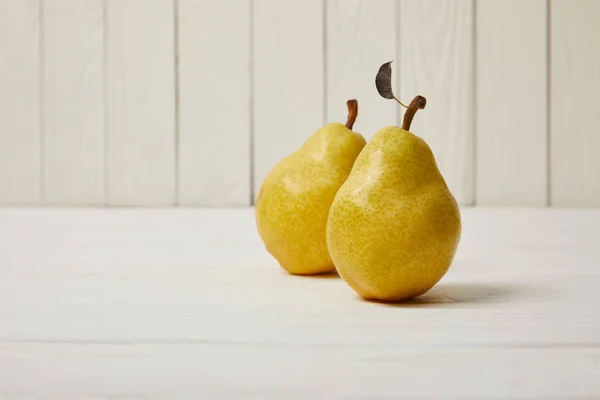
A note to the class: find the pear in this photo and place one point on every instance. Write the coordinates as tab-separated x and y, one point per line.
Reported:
394	226
294	199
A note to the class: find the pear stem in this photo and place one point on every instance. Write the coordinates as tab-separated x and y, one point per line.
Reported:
352	113
418	103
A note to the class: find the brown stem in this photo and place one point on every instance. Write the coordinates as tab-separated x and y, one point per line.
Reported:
352	113
418	103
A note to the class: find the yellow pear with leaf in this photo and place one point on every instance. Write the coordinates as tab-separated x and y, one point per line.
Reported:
394	226
294	199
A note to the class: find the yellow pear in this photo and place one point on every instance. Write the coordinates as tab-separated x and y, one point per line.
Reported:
394	226
293	201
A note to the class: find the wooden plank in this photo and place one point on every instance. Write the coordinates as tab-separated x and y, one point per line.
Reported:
20	135
575	100
361	35
214	102
141	102
436	61
156	371
73	102
288	79
511	103
161	292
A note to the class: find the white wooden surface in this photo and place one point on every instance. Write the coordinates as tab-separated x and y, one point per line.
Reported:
187	304
511	103
191	102
73	102
436	60
141	102
361	35
214	102
20	139
288	79
575	99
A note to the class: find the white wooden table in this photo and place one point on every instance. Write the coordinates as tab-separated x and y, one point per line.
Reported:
178	304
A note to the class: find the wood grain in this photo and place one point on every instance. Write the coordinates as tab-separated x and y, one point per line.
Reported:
575	99
141	102
436	61
73	102
214	104
177	297
361	35
511	103
20	131
288	79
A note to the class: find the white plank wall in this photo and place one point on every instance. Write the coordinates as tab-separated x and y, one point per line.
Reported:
575	103
361	35
20	139
73	102
192	102
141	102
436	61
288	79
511	103
214	102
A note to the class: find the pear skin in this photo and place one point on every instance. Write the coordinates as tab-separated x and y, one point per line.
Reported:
394	226
294	199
